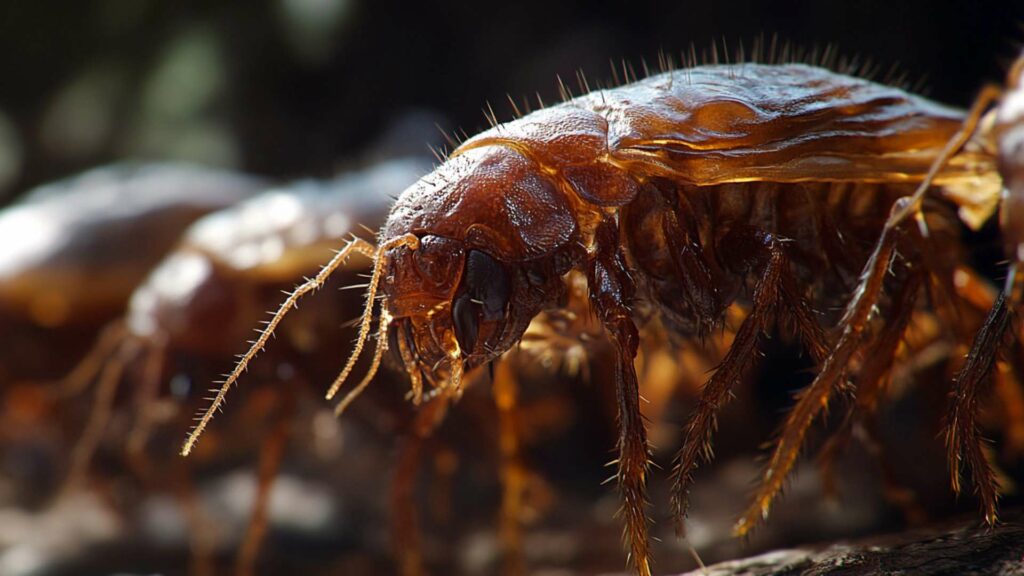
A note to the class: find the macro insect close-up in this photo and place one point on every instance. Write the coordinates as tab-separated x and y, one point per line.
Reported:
742	303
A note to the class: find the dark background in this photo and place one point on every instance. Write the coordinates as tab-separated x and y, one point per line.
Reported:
292	88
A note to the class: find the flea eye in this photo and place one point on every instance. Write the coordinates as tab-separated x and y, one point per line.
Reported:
467	321
534	277
437	260
487	282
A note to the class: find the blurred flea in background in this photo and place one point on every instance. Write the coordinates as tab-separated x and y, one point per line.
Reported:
186	318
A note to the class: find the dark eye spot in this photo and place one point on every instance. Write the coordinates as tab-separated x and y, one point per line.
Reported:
534	277
563	263
487	282
466	320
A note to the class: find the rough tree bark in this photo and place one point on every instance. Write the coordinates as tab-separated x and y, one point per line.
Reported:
963	547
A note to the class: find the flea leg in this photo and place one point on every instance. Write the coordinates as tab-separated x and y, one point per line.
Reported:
271	455
138	437
805	323
95	360
513	475
980	295
815	398
697	443
872	383
404	519
610	290
200	527
698	285
99	415
963	438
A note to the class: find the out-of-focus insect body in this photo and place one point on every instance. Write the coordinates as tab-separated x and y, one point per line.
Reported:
67	268
227	270
787	188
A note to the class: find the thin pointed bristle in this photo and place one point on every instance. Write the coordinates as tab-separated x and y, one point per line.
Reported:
515	107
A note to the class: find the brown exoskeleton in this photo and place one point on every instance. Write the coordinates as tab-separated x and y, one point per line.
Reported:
789	189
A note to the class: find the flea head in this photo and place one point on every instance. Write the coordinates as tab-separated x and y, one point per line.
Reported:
496	235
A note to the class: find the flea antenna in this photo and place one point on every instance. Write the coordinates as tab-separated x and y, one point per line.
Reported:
357	245
407	240
378	354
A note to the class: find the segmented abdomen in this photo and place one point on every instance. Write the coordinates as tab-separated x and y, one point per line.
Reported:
695	251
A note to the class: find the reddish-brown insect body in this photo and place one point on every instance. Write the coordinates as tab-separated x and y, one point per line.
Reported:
789	189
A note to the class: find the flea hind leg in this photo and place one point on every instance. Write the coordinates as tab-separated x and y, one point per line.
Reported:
404	519
963	437
148	397
872	383
772	287
513	475
99	416
271	456
980	296
851	328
